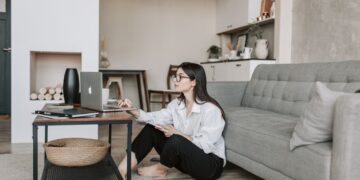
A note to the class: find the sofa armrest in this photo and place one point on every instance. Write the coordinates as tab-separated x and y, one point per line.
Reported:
346	139
227	93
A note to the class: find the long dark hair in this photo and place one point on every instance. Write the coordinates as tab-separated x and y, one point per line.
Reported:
196	72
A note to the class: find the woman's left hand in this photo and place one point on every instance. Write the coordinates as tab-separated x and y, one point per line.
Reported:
168	130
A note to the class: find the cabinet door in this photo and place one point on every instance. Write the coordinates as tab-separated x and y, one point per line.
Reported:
221	72
238	71
209	71
231	14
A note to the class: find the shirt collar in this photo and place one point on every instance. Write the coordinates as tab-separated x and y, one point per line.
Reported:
195	108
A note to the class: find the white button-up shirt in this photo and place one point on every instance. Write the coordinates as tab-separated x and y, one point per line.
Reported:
204	124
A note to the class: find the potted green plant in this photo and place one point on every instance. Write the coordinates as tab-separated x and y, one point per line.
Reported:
214	52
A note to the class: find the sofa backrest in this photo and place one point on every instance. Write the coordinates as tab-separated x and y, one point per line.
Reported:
287	88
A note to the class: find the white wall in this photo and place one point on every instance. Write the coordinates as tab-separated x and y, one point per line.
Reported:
152	34
53	26
325	30
283	31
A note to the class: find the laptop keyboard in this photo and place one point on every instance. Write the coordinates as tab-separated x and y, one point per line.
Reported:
111	107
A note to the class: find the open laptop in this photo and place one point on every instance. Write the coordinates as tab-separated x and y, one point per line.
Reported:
91	93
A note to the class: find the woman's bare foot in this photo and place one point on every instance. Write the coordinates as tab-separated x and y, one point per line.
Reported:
123	165
156	170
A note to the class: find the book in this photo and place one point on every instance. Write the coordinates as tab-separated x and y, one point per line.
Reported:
51	117
60	106
70	113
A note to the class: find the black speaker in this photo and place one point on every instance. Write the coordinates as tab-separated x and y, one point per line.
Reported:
71	86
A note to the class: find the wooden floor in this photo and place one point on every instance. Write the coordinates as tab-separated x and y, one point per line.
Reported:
5	136
118	150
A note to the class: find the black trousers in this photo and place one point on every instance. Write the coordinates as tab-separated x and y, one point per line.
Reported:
177	151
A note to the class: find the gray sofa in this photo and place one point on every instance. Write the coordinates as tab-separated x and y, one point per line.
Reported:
261	115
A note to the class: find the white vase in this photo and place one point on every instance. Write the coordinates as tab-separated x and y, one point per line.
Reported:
104	63
262	48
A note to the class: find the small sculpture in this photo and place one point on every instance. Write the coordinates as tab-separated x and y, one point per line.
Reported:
104	61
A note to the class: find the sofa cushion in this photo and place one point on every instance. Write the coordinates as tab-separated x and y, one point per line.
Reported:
287	88
264	136
316	124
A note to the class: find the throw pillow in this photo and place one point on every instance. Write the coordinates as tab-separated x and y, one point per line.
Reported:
315	125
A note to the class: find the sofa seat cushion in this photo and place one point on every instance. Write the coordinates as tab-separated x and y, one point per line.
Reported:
264	136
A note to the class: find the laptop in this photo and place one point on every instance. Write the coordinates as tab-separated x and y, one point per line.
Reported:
69	113
91	93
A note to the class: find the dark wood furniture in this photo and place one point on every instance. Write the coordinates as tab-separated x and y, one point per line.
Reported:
166	94
101	119
140	79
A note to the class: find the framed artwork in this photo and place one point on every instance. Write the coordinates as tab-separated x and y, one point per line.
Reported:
241	42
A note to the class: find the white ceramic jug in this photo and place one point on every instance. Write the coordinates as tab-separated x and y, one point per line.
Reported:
247	52
261	49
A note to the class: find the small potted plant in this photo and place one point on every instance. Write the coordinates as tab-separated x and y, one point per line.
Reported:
214	53
261	45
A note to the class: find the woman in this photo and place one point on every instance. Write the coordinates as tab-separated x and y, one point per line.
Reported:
187	134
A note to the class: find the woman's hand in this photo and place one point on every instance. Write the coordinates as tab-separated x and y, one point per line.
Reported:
168	130
126	103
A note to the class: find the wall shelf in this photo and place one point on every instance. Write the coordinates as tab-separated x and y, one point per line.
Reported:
47	68
241	28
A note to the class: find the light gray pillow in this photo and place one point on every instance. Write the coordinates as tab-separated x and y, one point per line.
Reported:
315	124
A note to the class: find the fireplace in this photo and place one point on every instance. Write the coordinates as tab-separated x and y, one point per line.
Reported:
47	70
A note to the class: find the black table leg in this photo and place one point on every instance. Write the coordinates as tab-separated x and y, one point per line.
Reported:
35	152
113	164
46	140
128	174
109	137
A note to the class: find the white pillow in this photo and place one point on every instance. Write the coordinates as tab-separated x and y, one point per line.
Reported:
316	123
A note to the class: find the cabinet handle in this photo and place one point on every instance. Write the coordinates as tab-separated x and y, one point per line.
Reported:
238	65
213	73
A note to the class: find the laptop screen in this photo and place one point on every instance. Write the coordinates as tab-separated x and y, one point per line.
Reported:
91	90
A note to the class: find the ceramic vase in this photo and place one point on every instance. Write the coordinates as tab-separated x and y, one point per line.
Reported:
262	48
71	86
104	63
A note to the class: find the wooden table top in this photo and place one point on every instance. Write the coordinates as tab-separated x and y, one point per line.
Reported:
102	116
109	116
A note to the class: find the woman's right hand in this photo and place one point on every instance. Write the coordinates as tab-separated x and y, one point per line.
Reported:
126	103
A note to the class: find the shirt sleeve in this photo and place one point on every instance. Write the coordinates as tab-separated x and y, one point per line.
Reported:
164	116
211	128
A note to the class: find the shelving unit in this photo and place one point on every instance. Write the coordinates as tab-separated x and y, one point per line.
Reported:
236	70
243	28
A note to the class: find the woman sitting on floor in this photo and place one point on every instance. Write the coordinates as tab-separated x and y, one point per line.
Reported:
187	134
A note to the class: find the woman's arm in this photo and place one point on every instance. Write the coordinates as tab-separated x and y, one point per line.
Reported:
164	116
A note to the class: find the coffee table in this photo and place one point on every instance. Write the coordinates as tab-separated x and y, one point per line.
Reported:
109	119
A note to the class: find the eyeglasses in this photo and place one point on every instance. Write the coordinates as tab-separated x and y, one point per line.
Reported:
178	78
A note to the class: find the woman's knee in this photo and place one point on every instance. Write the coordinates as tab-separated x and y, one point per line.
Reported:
175	142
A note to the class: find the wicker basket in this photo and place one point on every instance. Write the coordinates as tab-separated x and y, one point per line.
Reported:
74	152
